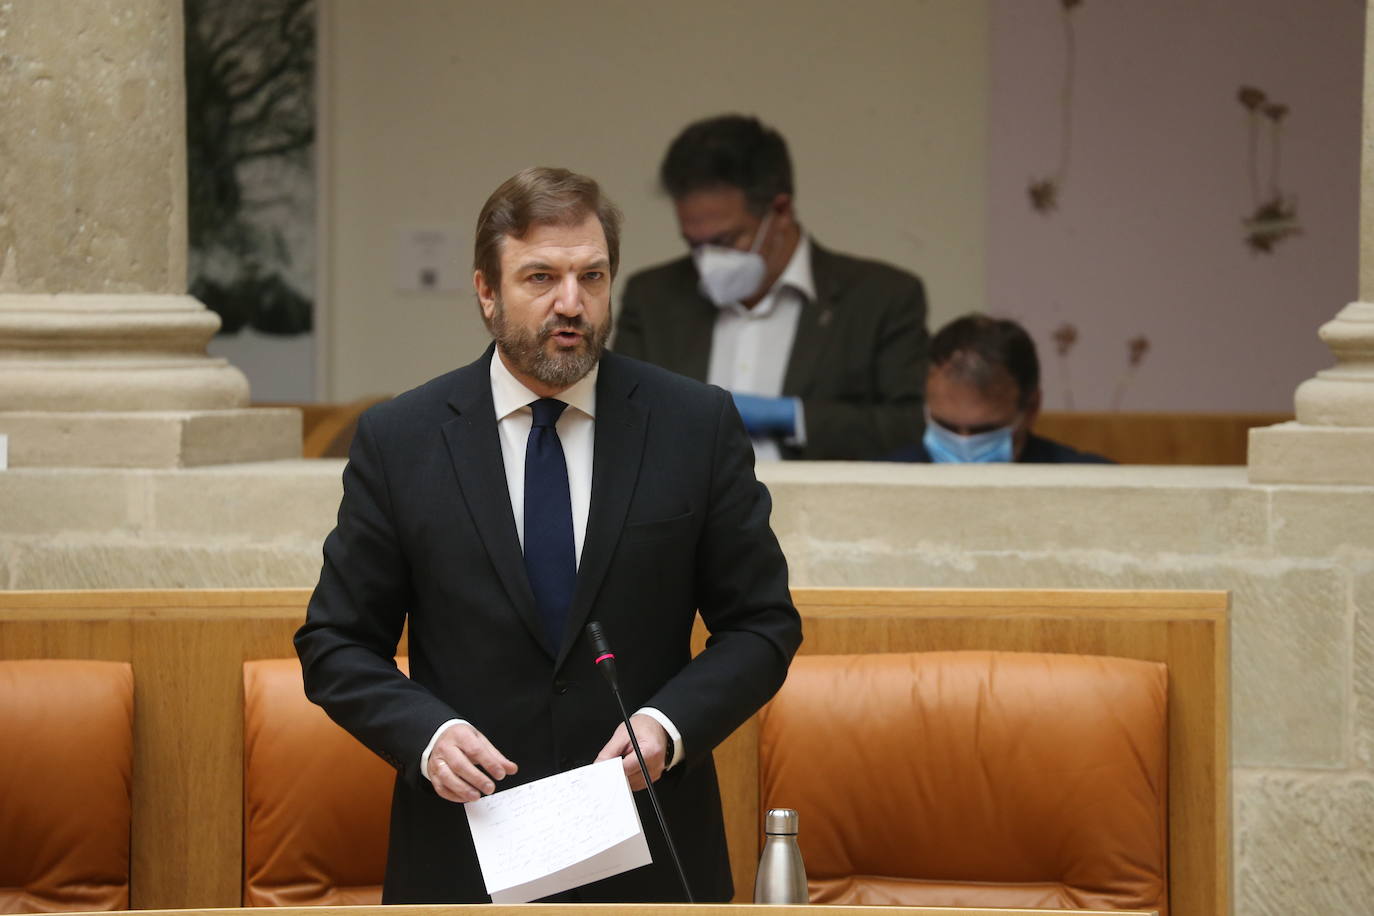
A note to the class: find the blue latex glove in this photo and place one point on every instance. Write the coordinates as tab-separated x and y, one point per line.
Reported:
765	417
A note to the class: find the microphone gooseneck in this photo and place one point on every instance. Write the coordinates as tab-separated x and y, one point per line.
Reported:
605	660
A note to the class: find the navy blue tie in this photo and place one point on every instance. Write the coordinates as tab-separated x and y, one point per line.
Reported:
550	555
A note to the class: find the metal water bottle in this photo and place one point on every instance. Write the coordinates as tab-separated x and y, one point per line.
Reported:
782	876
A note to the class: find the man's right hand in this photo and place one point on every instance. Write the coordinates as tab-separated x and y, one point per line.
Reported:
464	764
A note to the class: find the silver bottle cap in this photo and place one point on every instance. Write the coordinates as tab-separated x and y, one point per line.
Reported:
781	820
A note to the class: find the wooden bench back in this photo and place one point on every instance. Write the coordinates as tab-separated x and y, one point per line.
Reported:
188	648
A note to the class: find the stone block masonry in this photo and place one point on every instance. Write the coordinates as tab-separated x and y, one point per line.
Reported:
1297	559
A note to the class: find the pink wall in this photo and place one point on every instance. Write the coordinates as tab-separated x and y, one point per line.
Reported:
1147	238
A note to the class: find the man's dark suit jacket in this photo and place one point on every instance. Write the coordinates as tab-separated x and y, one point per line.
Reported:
677	522
858	361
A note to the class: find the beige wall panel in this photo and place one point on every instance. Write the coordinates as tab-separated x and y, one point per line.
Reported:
431	105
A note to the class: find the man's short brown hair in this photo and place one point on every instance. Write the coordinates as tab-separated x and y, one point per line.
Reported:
540	197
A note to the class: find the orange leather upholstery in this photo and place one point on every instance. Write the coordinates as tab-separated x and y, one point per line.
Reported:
66	785
980	779
316	803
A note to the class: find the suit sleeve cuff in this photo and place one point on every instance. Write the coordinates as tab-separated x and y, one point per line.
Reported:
668	727
429	748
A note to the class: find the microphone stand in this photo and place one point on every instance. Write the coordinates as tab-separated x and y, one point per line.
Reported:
605	660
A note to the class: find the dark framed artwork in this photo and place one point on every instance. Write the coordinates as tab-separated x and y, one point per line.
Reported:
250	125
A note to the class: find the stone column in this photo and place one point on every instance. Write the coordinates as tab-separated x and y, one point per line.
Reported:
1332	440
102	355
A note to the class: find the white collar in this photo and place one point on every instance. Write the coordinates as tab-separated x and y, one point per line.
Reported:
797	275
509	394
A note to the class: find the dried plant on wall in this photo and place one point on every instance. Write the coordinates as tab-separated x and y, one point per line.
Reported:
1136	348
1065	336
1275	216
1044	192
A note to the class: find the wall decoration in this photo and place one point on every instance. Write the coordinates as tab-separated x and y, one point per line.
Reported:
1148	236
1275	216
1136	348
1065	336
250	142
1044	192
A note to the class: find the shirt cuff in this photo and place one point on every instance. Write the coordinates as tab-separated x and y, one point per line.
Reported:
798	437
668	727
429	748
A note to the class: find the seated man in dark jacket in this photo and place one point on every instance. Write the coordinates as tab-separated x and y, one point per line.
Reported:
982	398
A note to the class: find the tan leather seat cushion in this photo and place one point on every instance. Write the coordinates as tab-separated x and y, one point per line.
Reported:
66	785
316	802
984	779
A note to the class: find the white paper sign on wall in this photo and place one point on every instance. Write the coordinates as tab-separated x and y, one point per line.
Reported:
428	260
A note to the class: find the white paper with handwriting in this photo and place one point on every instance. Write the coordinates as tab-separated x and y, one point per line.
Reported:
557	833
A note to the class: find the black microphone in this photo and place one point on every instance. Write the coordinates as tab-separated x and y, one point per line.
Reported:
605	660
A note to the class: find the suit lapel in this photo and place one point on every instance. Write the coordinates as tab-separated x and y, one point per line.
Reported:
814	326
474	447
621	424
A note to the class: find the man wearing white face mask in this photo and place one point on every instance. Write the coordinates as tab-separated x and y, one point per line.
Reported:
982	398
824	353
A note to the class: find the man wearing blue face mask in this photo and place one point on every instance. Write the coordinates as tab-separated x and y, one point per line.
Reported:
982	398
824	353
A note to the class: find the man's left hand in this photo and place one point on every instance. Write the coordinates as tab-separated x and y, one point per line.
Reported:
653	743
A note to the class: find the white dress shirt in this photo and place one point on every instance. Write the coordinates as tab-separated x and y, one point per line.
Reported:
576	427
750	347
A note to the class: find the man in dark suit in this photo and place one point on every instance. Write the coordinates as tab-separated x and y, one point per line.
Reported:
499	508
824	353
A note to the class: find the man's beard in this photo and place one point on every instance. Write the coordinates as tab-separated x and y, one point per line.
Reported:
529	353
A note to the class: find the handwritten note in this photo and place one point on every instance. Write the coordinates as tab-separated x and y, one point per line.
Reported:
557	833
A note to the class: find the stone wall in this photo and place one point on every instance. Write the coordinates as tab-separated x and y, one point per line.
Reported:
228	526
1298	561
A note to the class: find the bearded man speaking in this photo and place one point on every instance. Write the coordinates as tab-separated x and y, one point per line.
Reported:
499	508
